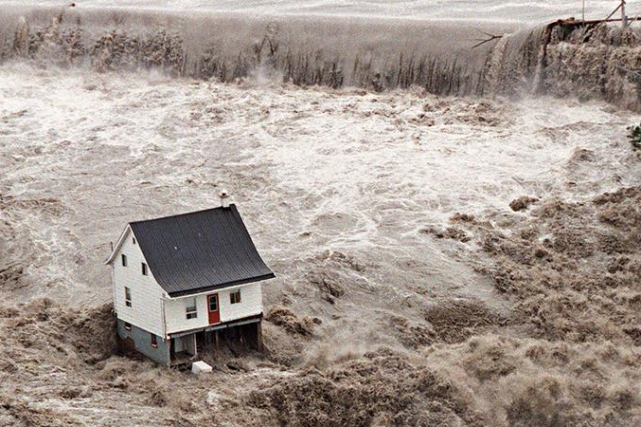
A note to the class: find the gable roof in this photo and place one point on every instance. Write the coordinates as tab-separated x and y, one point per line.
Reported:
115	249
200	251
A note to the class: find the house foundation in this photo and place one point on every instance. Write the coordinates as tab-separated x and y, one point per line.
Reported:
133	340
187	347
238	336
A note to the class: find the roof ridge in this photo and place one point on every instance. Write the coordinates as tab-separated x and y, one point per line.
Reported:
181	214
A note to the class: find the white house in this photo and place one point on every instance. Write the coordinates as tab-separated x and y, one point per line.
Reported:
181	283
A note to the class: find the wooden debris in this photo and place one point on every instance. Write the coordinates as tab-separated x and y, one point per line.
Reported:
490	37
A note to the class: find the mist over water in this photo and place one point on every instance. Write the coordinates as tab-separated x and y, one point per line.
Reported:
524	11
442	57
368	52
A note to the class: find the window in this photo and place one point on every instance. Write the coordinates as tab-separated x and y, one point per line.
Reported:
213	303
133	240
154	341
127	297
234	297
128	326
124	260
190	308
144	269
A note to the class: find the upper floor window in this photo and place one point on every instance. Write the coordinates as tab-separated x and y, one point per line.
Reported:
123	257
144	269
133	240
127	297
191	309
234	297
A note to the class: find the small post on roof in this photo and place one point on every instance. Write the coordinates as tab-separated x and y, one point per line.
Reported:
224	199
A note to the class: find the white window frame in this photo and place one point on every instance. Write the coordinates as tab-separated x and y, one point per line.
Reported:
191	311
235	297
211	298
128	296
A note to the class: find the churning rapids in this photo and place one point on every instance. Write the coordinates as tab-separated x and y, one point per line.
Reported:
455	231
594	62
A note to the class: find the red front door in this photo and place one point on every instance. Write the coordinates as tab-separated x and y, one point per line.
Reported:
214	309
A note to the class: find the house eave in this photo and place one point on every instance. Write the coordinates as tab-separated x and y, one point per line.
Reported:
206	289
254	318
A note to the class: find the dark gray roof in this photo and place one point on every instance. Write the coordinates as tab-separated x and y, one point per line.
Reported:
200	251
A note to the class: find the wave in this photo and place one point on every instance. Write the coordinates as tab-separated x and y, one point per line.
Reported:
589	62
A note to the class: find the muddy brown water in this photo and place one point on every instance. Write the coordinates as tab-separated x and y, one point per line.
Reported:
408	292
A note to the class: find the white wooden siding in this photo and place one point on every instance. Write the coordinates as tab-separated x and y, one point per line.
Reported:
146	294
176	315
251	304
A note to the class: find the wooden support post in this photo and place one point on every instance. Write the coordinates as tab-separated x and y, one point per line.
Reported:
259	336
613	12
216	342
624	16
195	340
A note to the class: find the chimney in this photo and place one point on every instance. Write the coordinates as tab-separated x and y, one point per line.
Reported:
224	199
